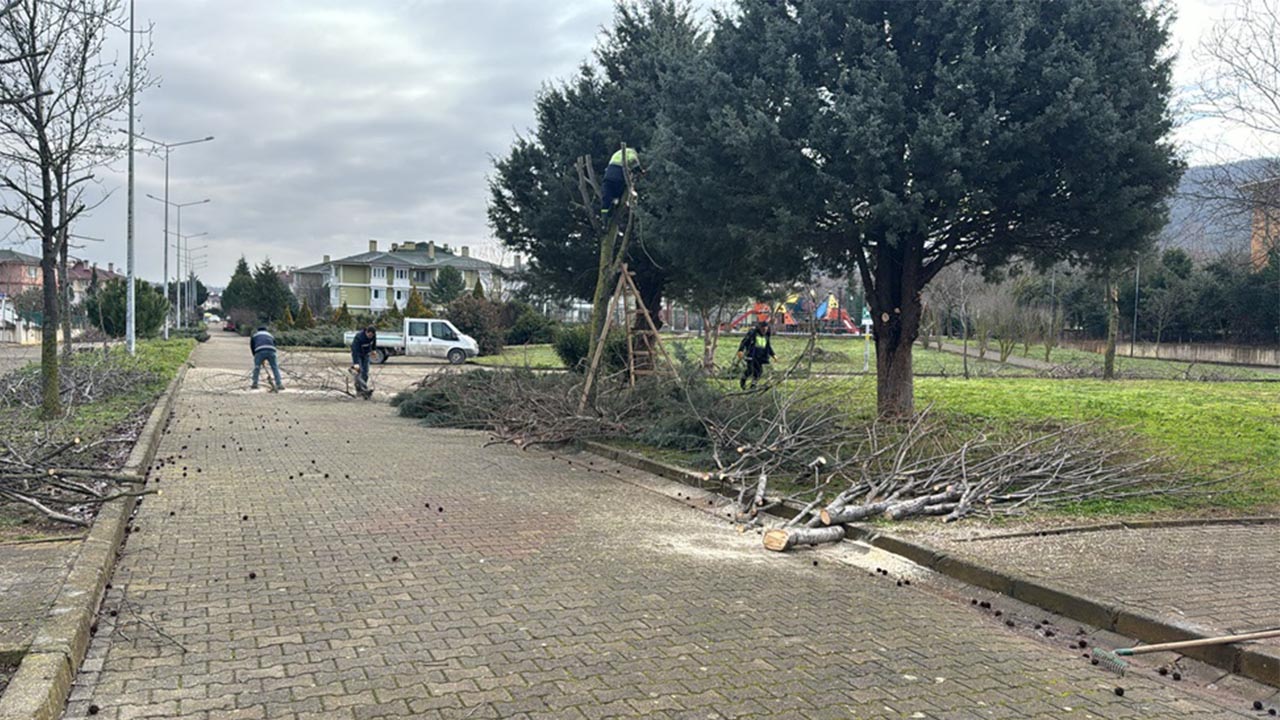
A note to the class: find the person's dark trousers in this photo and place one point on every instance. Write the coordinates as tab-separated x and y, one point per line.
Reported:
268	354
753	370
615	183
364	370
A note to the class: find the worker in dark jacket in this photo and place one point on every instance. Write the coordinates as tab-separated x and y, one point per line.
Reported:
757	350
264	349
362	346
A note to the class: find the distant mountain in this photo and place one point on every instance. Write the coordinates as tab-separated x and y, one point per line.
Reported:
1208	213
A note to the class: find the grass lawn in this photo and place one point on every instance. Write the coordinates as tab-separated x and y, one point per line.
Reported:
1152	369
846	356
1209	429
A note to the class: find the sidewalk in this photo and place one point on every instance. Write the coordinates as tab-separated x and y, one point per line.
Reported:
1215	578
319	557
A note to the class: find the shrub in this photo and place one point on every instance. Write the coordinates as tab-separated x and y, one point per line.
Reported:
531	328
107	307
573	343
479	319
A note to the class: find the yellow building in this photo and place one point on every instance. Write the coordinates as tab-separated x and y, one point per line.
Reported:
376	280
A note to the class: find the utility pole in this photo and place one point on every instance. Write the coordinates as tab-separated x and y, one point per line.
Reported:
1137	277
131	314
168	148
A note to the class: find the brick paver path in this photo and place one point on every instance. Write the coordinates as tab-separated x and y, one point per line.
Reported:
1221	578
405	572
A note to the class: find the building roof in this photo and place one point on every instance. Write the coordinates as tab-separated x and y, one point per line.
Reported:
7	256
419	258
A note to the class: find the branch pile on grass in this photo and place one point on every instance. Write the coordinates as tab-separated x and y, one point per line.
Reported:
800	444
47	477
90	376
520	407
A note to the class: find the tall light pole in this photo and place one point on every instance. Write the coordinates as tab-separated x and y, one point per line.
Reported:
131	314
168	203
186	288
168	147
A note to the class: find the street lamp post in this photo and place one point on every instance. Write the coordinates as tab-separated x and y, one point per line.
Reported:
168	148
168	203
131	310
186	287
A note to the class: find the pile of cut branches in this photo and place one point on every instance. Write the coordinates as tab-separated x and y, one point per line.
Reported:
49	477
520	407
800	443
90	376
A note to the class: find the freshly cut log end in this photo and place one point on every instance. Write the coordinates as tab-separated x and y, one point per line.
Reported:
780	540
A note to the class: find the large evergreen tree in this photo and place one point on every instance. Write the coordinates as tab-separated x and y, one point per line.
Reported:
906	136
239	293
271	297
447	286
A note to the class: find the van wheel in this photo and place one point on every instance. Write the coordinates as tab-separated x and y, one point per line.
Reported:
380	356
457	357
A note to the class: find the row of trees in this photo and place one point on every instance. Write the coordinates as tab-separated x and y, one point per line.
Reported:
887	140
61	95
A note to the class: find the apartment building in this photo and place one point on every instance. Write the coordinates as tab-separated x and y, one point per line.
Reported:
375	280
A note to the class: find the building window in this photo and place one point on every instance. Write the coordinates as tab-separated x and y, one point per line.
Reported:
420	276
402	274
377	294
31	271
379	273
399	296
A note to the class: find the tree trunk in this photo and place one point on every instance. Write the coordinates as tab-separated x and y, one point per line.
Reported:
605	277
64	274
50	385
1113	327
895	383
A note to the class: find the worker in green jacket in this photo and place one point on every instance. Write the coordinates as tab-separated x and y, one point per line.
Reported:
615	179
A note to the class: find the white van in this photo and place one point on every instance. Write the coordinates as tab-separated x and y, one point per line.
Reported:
423	337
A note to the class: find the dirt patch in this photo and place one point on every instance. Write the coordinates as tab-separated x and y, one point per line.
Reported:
20	524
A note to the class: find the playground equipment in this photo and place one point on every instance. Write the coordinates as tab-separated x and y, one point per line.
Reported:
792	315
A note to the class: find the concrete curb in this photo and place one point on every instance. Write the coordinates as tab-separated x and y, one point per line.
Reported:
39	689
1259	663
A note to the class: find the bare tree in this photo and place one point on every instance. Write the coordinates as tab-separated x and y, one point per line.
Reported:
1241	88
68	93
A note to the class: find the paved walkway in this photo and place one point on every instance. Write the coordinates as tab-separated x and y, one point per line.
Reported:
318	557
1220	578
30	575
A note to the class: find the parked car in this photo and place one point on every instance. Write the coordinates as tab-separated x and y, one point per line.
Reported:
423	337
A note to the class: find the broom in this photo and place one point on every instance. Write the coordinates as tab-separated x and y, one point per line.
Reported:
1113	660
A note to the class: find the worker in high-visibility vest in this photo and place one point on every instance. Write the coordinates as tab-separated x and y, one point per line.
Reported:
615	179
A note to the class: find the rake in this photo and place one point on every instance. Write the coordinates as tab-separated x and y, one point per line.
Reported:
1113	660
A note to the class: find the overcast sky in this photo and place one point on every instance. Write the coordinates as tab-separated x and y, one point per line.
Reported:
338	122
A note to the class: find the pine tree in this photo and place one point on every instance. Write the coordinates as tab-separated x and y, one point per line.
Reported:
478	291
286	320
342	317
305	320
448	286
240	291
415	307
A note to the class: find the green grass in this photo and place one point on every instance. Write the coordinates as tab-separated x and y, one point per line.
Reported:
847	359
1151	368
1210	430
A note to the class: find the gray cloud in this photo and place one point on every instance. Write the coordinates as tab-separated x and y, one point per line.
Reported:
336	122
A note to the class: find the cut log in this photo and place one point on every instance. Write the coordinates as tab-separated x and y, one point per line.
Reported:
853	513
759	500
779	540
907	508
